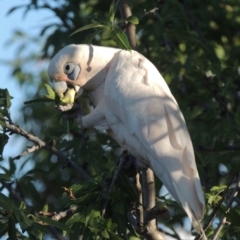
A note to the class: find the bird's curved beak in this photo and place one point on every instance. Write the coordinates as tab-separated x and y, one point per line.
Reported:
66	92
60	87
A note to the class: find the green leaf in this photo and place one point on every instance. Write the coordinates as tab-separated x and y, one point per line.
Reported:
25	222
121	223
5	177
133	20
91	36
36	231
77	217
45	208
50	91
112	11
2	122
3	229
105	234
49	97
39	100
214	199
22	205
68	96
6	203
75	234
93	213
87	234
87	198
65	201
56	224
126	186
89	26
12	233
8	99
3	141
116	237
131	229
119	206
120	38
110	225
218	188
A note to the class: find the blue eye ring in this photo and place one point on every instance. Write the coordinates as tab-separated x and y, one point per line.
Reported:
68	68
75	73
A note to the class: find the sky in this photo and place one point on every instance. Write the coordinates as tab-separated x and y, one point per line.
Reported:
9	23
31	23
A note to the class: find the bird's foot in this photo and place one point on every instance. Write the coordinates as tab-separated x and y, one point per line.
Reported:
69	110
65	108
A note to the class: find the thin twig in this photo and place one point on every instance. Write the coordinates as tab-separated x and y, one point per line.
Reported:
122	161
77	114
13	193
223	220
214	212
80	122
27	151
47	214
152	11
154	213
130	28
61	156
55	233
67	107
58	216
69	193
194	22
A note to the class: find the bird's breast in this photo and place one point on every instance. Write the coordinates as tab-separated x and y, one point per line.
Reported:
127	140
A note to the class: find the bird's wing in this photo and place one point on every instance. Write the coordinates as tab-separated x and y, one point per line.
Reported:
138	96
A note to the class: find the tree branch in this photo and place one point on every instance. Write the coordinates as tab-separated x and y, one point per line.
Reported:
193	21
58	216
149	204
152	11
30	149
223	220
214	212
12	192
55	233
139	206
77	113
41	144
123	160
130	28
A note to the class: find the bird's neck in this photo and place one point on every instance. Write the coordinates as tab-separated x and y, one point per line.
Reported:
97	94
96	66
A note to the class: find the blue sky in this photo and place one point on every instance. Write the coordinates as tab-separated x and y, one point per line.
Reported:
31	24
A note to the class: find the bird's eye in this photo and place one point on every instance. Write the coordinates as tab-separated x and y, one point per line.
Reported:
68	68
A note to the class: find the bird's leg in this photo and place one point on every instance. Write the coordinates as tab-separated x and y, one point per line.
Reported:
69	110
93	119
67	107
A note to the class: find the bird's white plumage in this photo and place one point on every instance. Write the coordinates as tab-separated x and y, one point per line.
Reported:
137	95
134	102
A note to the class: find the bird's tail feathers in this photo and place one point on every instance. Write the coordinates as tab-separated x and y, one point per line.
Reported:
198	227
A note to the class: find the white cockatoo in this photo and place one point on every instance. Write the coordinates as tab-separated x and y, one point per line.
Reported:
133	102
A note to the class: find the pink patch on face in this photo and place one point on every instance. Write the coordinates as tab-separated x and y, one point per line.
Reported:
64	78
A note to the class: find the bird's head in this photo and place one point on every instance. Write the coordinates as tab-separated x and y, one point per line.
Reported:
79	66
